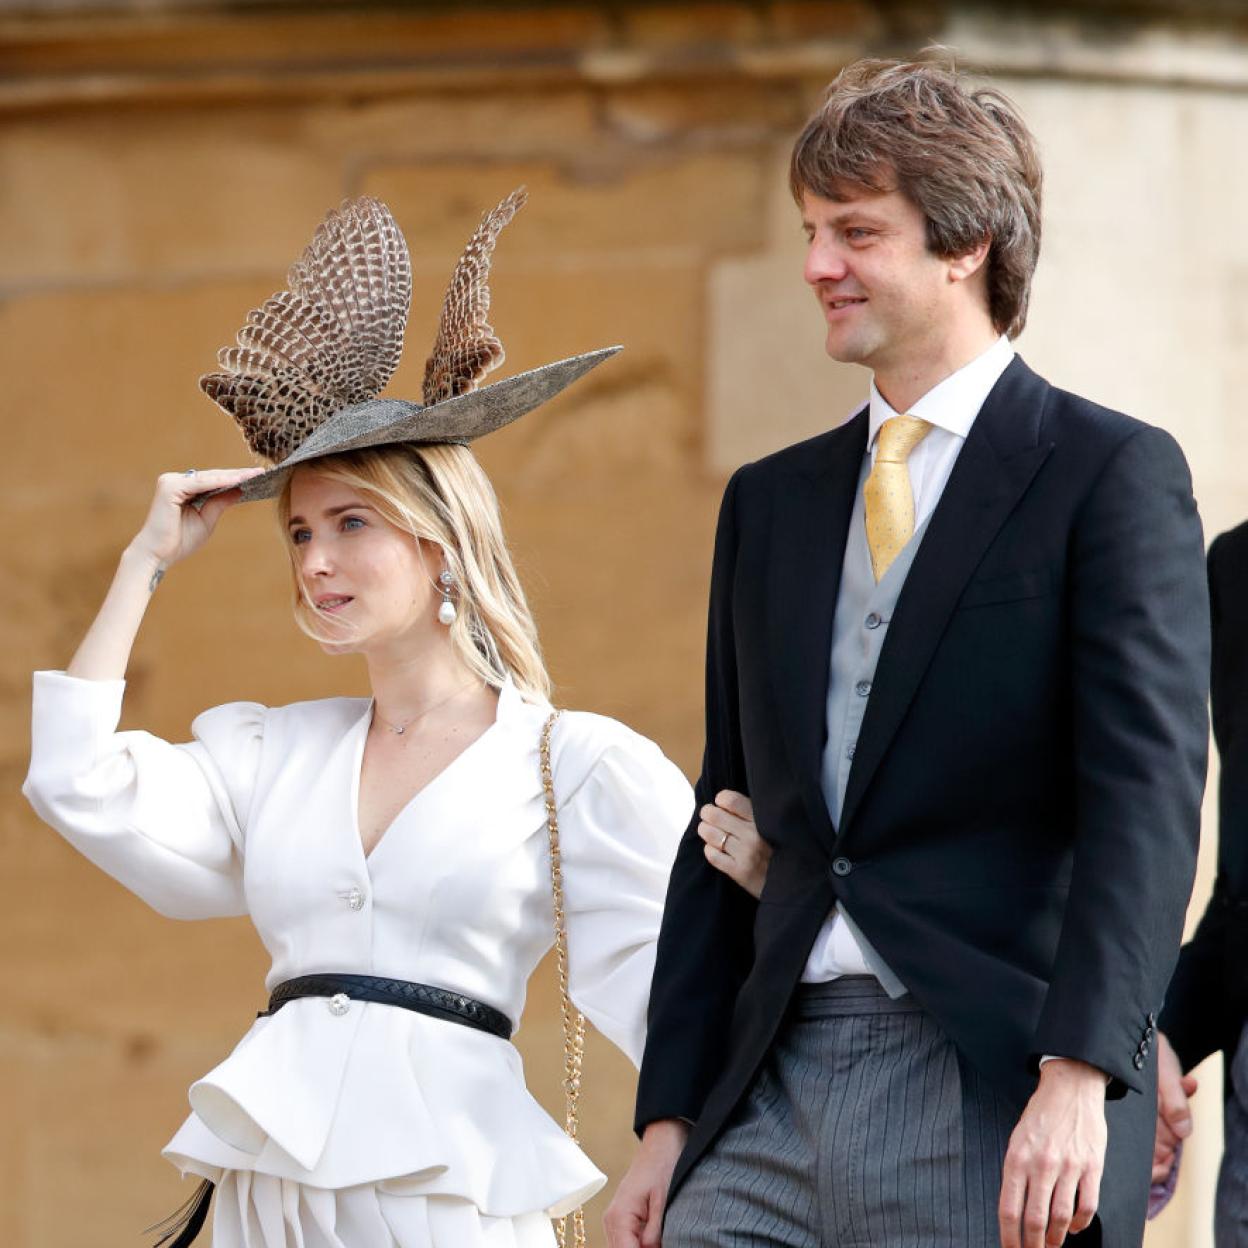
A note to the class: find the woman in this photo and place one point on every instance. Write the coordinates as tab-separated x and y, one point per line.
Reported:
392	851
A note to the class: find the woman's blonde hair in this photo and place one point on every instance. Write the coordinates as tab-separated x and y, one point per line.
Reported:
440	494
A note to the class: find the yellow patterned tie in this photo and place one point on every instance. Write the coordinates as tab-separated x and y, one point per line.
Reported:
887	495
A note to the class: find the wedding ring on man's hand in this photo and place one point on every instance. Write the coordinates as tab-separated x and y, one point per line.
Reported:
723	845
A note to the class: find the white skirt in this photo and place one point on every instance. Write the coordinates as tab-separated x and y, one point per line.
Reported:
254	1210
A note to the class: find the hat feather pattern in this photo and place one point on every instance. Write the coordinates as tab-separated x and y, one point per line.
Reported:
304	379
333	338
467	347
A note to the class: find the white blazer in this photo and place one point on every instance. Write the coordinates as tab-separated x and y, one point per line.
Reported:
257	815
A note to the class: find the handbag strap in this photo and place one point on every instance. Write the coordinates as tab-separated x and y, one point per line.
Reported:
573	1019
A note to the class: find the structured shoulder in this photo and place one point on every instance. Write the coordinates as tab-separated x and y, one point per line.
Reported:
321	717
229	718
799	457
1069	416
582	739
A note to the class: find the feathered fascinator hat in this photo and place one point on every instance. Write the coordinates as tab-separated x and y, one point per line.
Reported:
304	378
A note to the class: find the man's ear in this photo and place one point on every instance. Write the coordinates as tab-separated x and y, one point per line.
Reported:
967	265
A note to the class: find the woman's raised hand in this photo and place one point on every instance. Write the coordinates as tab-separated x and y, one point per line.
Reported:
733	843
174	529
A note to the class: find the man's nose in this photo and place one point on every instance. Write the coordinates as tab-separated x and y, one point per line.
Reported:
824	263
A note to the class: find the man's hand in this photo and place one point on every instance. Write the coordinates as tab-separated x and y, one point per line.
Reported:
634	1218
1174	1115
1052	1178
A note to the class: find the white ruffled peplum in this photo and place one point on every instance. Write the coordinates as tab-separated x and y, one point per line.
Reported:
383	1095
258	814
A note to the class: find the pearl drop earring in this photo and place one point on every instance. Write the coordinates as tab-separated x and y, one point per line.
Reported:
446	608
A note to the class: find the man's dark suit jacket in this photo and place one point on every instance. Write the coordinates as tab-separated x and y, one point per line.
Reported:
1207	1003
1019	833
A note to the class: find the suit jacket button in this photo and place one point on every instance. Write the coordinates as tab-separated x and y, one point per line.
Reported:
841	866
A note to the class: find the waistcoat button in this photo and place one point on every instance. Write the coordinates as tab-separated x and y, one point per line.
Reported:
841	866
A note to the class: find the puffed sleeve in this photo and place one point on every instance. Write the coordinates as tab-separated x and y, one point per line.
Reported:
622	809
165	820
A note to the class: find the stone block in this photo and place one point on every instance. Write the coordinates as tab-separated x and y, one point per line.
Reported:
770	381
618	581
689	26
118	197
19	1113
590	204
1141	264
825	19
111	378
125	976
655	311
726	114
219	39
361	135
93	1122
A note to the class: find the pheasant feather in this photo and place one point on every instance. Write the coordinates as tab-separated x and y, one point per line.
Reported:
466	347
333	338
303	378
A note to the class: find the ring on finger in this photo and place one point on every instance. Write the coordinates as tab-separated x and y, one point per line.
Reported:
190	472
723	845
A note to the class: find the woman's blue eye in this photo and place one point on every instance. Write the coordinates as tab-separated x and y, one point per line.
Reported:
352	522
299	536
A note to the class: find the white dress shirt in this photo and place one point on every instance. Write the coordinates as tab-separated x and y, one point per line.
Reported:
950	407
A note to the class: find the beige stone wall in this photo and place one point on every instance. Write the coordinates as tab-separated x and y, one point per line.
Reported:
157	176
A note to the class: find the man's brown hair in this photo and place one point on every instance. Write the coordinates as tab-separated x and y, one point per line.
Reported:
965	158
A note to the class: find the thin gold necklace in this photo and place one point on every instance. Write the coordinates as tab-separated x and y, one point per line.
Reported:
400	729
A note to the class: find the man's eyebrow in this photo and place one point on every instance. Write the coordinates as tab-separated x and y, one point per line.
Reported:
850	212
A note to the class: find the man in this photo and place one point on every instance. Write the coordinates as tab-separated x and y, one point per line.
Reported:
1207	1002
957	659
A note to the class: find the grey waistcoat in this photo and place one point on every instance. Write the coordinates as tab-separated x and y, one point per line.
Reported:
863	612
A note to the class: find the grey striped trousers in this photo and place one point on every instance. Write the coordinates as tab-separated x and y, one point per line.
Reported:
1230	1219
862	1130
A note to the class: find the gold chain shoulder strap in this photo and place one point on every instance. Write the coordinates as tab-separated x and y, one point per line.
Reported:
573	1020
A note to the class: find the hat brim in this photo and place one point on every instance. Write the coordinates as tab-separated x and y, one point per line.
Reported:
381	422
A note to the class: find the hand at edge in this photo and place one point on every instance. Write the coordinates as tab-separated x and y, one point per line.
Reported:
634	1218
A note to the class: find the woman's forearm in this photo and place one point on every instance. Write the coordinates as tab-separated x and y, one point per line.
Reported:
172	531
104	652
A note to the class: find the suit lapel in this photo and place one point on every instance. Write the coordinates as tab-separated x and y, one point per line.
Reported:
807	551
1001	456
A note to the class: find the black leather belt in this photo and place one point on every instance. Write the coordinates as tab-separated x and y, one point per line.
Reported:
454	1007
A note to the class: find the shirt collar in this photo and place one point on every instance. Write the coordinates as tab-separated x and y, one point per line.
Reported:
954	403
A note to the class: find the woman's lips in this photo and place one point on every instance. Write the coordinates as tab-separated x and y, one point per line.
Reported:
333	602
